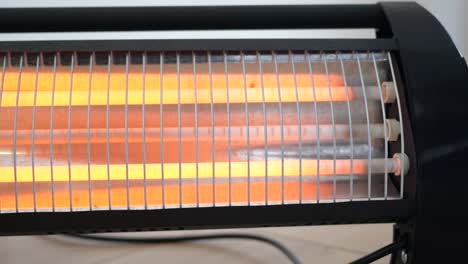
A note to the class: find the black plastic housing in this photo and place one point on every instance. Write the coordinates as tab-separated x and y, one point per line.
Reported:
433	83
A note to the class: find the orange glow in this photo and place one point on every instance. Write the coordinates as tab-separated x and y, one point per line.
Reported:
73	130
100	199
170	83
171	170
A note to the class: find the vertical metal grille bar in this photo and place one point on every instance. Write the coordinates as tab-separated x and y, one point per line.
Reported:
51	134
332	110
3	78
1	90
317	129
179	130
213	147
382	104
143	125
265	128
280	108
402	136
197	176
15	125
70	189
369	158
33	137
351	143
299	127
127	62
228	112
247	125
88	125
109	186
161	130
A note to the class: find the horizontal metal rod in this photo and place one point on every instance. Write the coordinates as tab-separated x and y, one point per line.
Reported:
200	45
60	19
238	134
227	216
326	151
236	115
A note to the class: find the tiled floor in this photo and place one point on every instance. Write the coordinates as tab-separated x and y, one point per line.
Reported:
322	244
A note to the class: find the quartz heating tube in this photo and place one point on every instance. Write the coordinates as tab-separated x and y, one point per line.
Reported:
151	130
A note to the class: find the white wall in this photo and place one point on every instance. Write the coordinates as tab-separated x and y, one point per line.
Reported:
452	15
450	12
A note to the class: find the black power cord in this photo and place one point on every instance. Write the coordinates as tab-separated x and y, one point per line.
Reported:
380	253
162	240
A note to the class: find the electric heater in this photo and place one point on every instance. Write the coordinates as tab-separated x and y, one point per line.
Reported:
125	135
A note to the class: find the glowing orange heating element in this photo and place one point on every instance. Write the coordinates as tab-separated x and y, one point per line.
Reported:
119	83
65	143
188	170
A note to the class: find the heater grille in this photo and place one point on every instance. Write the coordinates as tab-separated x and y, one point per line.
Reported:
149	130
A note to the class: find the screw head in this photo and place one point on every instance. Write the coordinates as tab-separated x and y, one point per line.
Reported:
404	257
